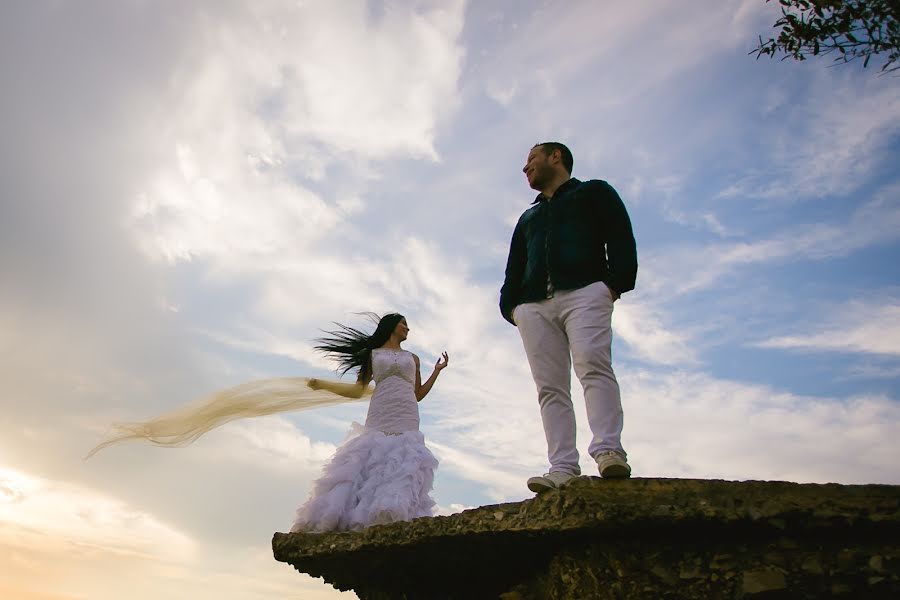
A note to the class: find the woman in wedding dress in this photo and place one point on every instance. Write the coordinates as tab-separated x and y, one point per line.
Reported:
382	473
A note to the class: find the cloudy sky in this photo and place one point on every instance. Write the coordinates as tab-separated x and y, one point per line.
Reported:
189	191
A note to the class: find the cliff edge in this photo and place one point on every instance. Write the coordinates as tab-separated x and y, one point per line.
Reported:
636	538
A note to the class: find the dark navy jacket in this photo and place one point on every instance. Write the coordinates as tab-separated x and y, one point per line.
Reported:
580	236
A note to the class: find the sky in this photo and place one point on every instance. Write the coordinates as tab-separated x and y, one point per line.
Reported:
191	191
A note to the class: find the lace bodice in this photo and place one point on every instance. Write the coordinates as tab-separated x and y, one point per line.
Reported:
393	363
393	407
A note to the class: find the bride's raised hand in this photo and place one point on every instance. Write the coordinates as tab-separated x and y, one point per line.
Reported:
442	362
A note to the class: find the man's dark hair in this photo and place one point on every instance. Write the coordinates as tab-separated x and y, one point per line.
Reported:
564	152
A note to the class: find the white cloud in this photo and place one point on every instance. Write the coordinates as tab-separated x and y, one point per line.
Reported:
643	327
273	442
279	165
381	88
860	326
677	424
501	95
828	145
36	512
276	102
529	60
62	541
692	425
451	509
682	269
412	276
870	371
499	479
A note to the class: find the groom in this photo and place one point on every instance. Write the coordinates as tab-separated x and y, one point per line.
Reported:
572	255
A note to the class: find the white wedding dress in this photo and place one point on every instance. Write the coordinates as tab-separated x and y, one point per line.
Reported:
383	472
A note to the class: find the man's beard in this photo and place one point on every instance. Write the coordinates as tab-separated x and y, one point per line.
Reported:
540	179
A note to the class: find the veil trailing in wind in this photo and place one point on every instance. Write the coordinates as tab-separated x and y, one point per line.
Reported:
182	426
349	347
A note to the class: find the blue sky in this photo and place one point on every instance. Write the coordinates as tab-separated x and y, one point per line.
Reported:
189	192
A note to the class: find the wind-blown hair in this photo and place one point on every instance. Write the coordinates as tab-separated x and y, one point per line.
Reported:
352	348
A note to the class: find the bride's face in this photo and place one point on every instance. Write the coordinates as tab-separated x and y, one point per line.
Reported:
401	330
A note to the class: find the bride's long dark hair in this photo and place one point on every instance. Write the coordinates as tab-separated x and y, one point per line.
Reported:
352	348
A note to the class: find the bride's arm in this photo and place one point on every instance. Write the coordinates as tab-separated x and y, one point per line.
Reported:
422	389
347	390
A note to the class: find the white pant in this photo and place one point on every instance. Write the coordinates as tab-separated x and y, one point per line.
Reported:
574	325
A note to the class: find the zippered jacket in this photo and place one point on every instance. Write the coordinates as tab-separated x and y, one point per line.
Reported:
580	236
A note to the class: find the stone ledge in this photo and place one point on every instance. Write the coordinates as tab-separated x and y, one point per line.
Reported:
650	536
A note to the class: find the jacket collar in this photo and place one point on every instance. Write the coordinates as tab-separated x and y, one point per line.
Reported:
572	182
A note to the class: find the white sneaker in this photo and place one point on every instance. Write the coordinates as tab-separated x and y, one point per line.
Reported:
549	481
612	465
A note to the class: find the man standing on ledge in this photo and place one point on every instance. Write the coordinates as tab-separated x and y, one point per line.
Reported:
572	255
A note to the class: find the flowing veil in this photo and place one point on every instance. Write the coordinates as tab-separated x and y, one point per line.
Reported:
183	425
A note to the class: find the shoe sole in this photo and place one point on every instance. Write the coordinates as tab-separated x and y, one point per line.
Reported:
616	472
538	486
542	484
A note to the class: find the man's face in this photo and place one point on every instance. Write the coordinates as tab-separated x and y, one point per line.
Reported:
537	168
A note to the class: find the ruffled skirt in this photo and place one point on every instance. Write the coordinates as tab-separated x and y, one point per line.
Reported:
373	478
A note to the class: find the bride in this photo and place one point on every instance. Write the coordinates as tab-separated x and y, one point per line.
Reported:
382	473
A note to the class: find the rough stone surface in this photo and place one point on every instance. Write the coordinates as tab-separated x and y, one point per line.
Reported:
638	538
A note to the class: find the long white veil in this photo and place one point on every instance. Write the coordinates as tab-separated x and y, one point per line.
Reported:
182	426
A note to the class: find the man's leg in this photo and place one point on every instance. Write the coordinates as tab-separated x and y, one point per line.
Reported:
547	349
587	314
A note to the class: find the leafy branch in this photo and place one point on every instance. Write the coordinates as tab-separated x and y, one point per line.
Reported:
849	29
